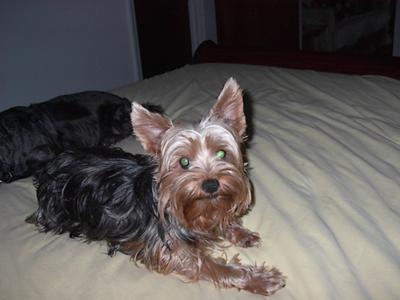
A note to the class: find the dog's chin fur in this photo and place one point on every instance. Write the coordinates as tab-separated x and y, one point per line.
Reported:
36	133
168	210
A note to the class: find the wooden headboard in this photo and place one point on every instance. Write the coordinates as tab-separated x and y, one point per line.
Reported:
266	24
209	52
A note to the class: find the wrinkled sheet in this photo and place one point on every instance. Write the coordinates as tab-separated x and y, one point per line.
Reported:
324	156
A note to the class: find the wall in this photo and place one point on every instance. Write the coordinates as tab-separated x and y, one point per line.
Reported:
202	22
396	34
48	48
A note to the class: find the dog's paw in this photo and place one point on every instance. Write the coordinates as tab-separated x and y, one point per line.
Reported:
265	281
243	237
251	239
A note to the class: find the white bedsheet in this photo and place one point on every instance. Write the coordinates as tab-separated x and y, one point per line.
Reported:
325	163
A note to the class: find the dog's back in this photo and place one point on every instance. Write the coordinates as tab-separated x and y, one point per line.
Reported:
83	119
97	193
88	119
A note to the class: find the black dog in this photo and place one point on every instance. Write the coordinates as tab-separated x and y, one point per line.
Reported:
39	131
96	193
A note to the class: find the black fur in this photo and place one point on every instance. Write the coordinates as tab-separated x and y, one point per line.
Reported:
39	131
97	194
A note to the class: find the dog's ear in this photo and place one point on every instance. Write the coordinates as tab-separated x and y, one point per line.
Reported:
229	107
149	127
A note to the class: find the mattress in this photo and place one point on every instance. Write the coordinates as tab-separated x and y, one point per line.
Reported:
324	160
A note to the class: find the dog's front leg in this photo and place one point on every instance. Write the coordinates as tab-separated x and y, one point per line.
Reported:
242	237
255	279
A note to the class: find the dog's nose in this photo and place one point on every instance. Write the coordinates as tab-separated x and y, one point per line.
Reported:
210	185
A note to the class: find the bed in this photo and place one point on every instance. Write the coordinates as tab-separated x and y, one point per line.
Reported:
324	156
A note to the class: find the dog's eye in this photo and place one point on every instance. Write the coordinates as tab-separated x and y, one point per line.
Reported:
184	162
221	154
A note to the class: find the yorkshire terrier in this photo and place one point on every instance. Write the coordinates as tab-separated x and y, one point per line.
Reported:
170	209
